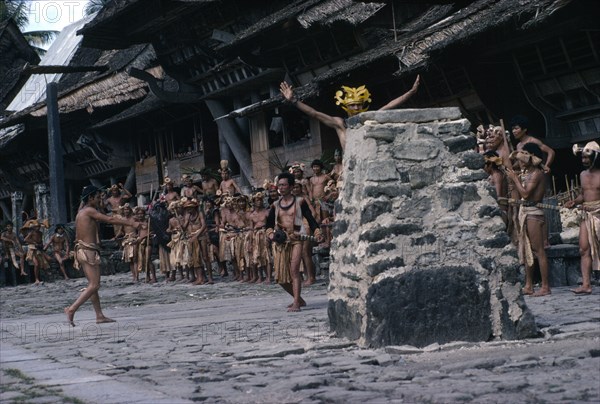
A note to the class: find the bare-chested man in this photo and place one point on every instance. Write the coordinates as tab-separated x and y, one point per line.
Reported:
531	186
60	248
237	227
195	227
35	248
228	184
337	171
355	100
286	217
87	251
178	243
260	250
13	248
589	230
519	125
307	262
169	194
144	245
189	190
129	243
210	186
117	197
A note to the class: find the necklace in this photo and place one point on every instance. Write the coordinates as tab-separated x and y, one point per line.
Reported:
286	207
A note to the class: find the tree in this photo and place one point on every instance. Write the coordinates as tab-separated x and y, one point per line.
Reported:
93	6
17	11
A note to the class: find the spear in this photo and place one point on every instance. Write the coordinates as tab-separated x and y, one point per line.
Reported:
147	253
554	185
568	189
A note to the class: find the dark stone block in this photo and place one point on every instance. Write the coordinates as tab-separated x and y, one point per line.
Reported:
349	260
472	160
445	128
383	265
390	190
351	163
452	197
487	263
428	259
424	306
373	210
385	134
374	248
488	211
427	239
351	276
425	130
339	227
416	207
343	320
460	143
498	241
379	233
421	177
474	176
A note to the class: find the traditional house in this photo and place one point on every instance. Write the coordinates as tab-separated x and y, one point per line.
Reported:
492	58
214	87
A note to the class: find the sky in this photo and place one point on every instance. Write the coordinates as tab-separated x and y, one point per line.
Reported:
54	15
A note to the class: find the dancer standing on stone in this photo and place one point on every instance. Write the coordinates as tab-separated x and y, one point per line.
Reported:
354	101
87	250
531	187
589	230
286	217
35	249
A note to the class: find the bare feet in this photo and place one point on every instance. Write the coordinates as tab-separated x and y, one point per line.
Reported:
527	291
542	292
102	320
199	282
302	304
23	273
309	282
70	316
582	291
293	308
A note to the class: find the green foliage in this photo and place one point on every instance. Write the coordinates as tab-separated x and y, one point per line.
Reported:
18	12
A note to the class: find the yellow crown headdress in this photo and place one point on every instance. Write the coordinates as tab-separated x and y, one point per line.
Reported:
352	95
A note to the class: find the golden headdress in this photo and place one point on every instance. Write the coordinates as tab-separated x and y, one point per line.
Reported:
359	95
173	206
190	203
168	181
139	209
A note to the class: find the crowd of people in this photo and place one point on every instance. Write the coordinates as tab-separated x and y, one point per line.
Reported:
520	176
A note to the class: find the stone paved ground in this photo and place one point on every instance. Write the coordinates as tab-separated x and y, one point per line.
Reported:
234	343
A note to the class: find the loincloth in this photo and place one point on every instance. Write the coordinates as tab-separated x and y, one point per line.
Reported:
179	255
165	259
260	248
86	253
143	255
591	216
194	260
129	247
524	245
282	259
35	253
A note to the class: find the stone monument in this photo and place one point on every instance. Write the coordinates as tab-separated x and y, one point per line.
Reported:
420	254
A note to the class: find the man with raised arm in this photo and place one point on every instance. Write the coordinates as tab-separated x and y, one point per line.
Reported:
354	101
87	250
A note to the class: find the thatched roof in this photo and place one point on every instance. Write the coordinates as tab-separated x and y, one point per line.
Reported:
15	53
419	40
148	104
8	134
90	90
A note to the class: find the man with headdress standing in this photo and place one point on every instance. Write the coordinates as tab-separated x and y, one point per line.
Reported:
60	247
169	193
87	250
589	230
118	196
228	184
35	248
210	186
531	186
189	190
352	100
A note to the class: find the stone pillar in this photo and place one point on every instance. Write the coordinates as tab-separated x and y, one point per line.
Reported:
420	254
42	201
16	199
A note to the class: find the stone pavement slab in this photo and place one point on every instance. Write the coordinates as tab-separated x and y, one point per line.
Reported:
231	343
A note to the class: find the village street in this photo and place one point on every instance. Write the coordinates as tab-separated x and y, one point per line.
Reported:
235	343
